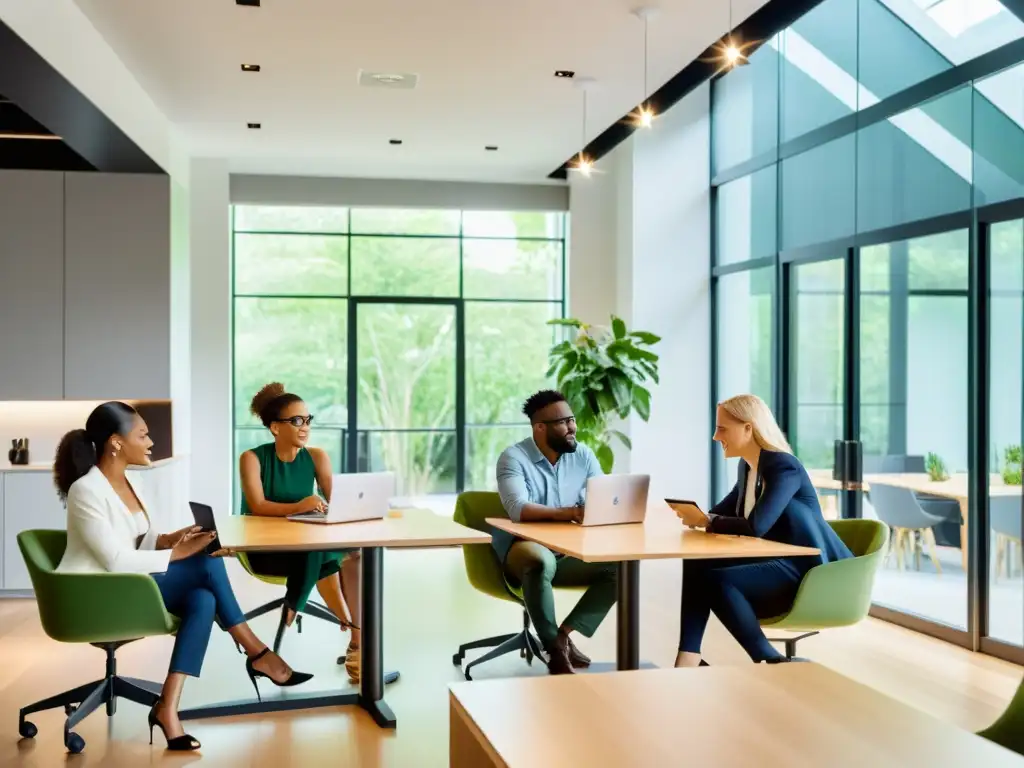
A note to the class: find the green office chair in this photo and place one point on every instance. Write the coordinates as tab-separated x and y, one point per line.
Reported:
836	594
1008	730
106	610
485	573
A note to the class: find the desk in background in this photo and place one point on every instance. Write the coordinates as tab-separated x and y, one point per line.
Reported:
766	715
956	487
414	528
660	536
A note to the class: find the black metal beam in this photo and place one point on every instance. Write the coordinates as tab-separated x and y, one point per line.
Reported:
27	79
765	23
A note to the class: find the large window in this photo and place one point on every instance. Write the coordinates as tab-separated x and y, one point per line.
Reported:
413	335
868	275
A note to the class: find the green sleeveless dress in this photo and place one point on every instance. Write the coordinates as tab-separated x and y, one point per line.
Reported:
287	482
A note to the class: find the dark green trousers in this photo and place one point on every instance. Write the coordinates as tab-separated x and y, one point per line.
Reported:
302	570
538	570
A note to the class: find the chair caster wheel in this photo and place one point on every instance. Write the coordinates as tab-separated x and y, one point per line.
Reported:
74	743
457	659
27	730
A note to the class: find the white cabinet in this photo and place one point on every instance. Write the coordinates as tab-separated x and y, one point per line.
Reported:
30	501
117	278
31	285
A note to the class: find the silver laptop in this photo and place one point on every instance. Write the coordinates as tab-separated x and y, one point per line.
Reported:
615	499
358	496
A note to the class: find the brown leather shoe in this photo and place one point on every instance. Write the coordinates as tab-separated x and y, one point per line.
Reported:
558	657
577	657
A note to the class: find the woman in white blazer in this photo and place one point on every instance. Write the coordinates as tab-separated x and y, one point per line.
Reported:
109	530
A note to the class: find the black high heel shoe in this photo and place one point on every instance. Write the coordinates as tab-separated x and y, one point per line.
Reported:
295	678
184	743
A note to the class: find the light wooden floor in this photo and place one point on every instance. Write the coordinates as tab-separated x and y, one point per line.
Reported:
430	609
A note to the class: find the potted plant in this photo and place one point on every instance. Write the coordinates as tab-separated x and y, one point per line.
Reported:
1012	465
936	468
602	373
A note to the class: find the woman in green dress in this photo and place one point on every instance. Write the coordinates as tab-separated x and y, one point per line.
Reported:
280	479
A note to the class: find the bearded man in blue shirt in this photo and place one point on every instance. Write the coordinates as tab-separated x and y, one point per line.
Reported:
544	479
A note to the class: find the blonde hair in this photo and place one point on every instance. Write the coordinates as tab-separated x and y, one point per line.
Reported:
752	410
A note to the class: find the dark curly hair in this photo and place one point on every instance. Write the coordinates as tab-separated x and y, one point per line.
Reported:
268	403
79	449
540	400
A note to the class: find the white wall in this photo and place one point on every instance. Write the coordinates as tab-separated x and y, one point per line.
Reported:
212	451
641	250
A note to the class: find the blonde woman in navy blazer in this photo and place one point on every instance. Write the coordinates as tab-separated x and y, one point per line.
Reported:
773	499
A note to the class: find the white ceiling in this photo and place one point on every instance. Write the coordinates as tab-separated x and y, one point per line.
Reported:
485	69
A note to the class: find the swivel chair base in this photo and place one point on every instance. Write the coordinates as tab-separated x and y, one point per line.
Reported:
82	701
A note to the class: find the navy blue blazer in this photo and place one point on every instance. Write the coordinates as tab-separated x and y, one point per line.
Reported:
787	511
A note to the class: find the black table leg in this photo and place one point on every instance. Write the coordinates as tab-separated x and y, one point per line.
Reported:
372	677
628	615
371	696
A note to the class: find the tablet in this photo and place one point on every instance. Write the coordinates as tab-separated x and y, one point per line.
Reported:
203	515
670	502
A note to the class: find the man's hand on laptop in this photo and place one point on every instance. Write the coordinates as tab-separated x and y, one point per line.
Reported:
573	514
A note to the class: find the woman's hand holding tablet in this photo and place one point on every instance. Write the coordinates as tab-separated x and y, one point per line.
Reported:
689	512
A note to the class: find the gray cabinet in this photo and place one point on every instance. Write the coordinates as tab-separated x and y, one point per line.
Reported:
117	288
31	285
29	501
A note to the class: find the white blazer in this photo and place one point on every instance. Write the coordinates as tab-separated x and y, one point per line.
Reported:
102	532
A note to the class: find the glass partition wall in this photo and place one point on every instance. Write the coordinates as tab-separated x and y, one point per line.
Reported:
868	282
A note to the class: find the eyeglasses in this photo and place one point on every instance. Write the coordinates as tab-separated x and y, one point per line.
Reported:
297	421
567	421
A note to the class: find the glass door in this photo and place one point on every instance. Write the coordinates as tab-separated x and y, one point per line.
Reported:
403	394
817	356
914	380
1006	433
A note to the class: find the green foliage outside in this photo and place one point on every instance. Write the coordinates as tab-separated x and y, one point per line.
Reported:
291	325
1012	465
935	466
602	373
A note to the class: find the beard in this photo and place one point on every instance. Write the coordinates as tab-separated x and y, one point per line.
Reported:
565	444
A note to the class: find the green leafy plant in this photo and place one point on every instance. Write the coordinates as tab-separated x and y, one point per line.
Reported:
602	373
936	468
1012	465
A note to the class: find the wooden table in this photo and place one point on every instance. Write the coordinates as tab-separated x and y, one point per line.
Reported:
415	528
766	715
660	536
956	487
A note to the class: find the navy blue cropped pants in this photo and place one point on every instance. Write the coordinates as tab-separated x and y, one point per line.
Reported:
739	594
196	590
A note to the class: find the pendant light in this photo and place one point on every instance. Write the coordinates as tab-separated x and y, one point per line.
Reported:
643	115
583	164
733	52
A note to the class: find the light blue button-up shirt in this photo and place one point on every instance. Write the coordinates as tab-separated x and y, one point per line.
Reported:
525	476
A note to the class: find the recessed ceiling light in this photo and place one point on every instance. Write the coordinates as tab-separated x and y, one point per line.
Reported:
565	73
250	67
491	147
394	142
254	126
252	3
